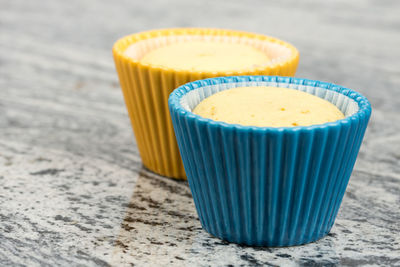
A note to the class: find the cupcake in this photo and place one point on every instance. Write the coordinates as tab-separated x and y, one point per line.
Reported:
151	64
269	186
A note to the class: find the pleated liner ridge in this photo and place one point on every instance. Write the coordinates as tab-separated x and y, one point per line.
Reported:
146	89
268	186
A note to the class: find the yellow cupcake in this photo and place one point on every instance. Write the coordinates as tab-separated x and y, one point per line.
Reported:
267	107
152	64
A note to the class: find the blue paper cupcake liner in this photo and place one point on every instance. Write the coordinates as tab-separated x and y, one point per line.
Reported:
267	186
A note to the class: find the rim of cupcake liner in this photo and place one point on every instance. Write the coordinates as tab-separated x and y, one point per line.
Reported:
122	44
176	100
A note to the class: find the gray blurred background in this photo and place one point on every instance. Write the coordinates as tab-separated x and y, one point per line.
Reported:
56	56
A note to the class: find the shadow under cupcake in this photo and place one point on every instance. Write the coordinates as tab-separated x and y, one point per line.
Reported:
268	186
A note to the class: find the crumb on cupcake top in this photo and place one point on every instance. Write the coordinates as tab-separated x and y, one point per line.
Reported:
267	107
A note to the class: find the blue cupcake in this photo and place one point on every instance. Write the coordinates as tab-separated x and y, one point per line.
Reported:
266	186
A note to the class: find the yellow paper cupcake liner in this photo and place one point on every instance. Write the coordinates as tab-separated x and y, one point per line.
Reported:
146	88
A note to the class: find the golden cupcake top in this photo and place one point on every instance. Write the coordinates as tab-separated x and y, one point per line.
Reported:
267	107
207	56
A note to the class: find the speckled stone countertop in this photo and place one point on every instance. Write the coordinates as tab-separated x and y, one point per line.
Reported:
72	188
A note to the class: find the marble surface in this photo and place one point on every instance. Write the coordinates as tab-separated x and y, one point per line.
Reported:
72	188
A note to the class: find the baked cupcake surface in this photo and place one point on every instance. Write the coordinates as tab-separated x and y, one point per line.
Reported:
206	56
212	53
266	106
